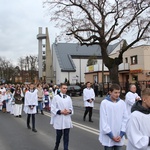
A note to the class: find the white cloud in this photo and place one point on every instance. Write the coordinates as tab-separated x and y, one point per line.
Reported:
19	24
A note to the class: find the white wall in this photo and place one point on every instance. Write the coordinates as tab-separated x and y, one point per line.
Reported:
80	64
56	67
78	75
146	58
139	51
80	68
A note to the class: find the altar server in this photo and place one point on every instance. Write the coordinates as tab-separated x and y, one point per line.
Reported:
1	100
3	92
88	98
2	89
30	104
61	111
8	100
138	128
113	119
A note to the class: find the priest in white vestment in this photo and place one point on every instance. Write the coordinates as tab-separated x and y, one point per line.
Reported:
131	97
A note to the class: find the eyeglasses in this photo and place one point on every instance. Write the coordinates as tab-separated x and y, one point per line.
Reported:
65	88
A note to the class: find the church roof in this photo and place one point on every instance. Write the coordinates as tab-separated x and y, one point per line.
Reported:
66	51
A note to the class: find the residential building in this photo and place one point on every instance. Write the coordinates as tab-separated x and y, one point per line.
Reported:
135	67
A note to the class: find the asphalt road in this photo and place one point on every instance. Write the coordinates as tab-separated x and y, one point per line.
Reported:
14	134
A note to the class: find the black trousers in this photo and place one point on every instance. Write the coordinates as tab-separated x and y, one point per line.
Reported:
65	134
33	120
90	111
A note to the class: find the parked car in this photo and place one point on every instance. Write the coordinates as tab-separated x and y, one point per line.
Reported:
74	90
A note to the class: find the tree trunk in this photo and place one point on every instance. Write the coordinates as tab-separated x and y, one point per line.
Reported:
111	63
113	71
114	77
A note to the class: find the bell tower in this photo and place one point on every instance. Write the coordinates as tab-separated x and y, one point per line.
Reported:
45	74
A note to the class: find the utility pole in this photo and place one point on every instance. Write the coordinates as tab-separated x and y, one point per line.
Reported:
103	75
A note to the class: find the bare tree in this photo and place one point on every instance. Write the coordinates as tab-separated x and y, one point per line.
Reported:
33	64
103	22
28	63
21	63
6	70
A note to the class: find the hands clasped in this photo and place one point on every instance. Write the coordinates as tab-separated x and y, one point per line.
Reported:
31	107
91	101
65	112
116	139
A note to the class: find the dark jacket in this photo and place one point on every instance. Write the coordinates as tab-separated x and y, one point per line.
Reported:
18	98
138	107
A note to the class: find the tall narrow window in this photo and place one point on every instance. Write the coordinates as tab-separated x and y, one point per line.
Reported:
106	78
134	60
126	60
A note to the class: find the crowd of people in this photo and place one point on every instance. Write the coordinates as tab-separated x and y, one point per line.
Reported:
31	98
118	118
12	97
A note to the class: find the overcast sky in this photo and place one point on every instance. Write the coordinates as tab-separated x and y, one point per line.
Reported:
19	22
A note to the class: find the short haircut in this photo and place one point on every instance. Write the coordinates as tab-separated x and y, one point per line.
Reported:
146	92
63	84
114	87
88	82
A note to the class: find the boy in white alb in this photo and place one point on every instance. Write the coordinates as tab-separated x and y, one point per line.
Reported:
1	100
30	104
88	98
61	111
3	91
113	119
138	127
8	100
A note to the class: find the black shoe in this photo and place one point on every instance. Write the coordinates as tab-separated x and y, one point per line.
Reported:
42	113
91	121
34	130
28	127
55	148
20	116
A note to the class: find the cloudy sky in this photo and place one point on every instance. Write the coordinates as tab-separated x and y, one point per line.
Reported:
19	22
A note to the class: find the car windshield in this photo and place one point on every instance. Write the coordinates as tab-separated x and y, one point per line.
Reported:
74	87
